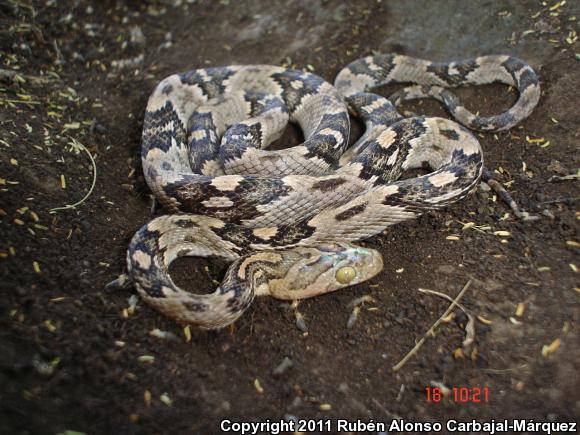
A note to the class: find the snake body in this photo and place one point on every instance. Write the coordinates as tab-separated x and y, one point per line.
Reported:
286	218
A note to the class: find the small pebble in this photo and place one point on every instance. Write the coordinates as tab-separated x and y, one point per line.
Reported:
300	322
549	214
137	36
100	129
484	187
283	366
85	226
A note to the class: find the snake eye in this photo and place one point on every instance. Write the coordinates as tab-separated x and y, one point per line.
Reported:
344	275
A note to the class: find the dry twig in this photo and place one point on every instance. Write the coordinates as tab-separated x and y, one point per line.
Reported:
415	349
469	328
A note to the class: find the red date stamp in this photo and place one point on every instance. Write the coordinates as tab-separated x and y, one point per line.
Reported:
457	394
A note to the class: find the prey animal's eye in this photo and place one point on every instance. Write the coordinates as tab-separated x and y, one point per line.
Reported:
346	274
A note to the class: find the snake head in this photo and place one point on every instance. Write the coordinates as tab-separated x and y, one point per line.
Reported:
312	271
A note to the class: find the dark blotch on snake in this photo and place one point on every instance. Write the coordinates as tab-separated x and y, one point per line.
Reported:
195	307
350	212
442	70
155	134
212	88
238	139
449	134
327	185
185	224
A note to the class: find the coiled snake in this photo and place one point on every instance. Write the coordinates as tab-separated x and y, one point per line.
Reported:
286	218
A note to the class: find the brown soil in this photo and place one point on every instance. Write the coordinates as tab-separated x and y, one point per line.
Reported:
71	351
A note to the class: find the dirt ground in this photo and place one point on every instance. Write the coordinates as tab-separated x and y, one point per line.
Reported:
76	75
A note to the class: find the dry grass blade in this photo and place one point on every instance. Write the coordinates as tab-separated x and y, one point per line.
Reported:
17	76
555	178
415	349
66	207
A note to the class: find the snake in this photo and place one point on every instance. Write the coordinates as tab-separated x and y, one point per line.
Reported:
287	219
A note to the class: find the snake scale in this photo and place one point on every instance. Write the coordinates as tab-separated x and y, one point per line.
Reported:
286	219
